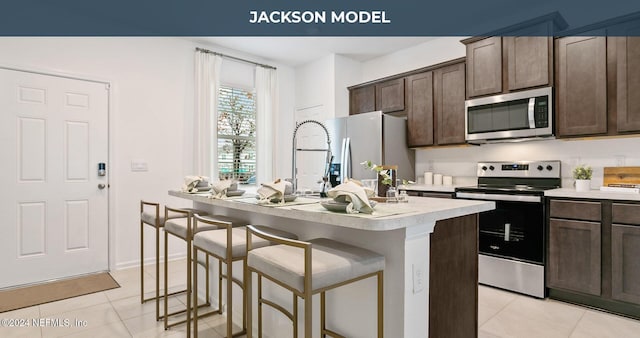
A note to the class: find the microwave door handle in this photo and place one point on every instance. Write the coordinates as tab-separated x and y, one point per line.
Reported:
532	120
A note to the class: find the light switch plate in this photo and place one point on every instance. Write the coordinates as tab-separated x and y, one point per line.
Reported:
139	165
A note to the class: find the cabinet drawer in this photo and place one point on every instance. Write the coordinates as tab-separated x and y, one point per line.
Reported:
626	213
587	211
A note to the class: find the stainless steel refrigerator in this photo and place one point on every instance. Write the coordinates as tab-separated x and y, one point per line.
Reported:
374	137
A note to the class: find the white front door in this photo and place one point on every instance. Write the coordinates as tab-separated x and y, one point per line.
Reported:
53	134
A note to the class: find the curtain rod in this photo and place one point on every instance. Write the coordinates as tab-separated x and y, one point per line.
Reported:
233	57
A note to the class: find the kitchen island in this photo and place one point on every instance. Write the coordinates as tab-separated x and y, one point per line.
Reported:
431	271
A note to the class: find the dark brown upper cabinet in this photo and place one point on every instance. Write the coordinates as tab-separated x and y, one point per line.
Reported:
435	106
449	96
529	61
419	98
362	100
484	63
503	64
390	96
628	81
581	85
515	58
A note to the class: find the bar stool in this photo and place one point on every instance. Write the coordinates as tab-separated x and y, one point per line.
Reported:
321	265
154	219
228	245
181	228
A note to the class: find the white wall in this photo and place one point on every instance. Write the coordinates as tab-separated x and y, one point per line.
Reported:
152	102
461	161
425	54
315	86
598	153
348	72
324	82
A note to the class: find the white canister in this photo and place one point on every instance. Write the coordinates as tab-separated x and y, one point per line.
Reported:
437	179
447	180
428	178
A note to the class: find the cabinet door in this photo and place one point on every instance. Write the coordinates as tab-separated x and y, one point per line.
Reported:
528	61
625	263
484	63
420	110
574	256
628	64
449	87
362	100
582	86
390	96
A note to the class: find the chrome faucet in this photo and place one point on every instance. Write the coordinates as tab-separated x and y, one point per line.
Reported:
294	169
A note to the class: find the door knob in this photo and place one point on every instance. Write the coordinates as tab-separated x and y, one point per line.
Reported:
101	186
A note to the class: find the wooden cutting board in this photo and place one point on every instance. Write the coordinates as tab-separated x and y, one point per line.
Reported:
621	176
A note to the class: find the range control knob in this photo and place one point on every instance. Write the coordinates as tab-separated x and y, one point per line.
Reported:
540	167
484	168
491	167
549	167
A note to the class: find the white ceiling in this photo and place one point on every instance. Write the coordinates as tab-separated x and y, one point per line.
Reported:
296	51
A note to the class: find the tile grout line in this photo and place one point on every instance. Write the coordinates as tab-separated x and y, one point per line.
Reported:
577	323
500	310
120	317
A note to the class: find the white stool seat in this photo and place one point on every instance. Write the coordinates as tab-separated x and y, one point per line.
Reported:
332	262
178	226
215	242
150	217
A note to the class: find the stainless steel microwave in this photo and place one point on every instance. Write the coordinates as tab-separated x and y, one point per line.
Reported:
513	116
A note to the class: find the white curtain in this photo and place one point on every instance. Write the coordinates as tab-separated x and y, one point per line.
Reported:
205	122
266	108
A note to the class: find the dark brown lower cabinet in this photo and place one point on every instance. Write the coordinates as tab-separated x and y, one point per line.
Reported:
594	255
574	256
625	263
453	278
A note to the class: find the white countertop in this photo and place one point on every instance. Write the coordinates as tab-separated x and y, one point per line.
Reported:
430	187
419	211
593	194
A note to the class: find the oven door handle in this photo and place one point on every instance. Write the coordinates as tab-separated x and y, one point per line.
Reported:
499	197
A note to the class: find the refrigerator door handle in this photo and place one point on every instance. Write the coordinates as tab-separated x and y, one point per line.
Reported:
343	161
347	158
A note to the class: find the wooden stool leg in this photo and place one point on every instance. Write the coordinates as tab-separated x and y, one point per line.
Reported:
323	317
189	294
195	291
157	272
141	261
380	305
248	290
295	316
259	306
229	262
166	288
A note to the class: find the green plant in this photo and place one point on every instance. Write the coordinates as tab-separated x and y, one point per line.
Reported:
582	172
384	173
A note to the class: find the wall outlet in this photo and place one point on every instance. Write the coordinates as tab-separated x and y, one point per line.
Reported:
620	160
418	278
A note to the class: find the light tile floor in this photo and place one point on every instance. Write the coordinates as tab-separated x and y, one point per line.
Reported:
118	313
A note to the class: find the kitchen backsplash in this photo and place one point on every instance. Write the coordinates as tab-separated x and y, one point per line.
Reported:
460	162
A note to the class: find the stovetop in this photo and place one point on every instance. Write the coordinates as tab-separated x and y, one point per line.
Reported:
522	177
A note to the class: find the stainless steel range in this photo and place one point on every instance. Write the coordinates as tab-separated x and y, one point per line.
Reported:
512	237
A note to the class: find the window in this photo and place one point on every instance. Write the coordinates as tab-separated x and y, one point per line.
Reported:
236	134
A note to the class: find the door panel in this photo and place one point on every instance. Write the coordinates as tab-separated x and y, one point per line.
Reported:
581	86
55	217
